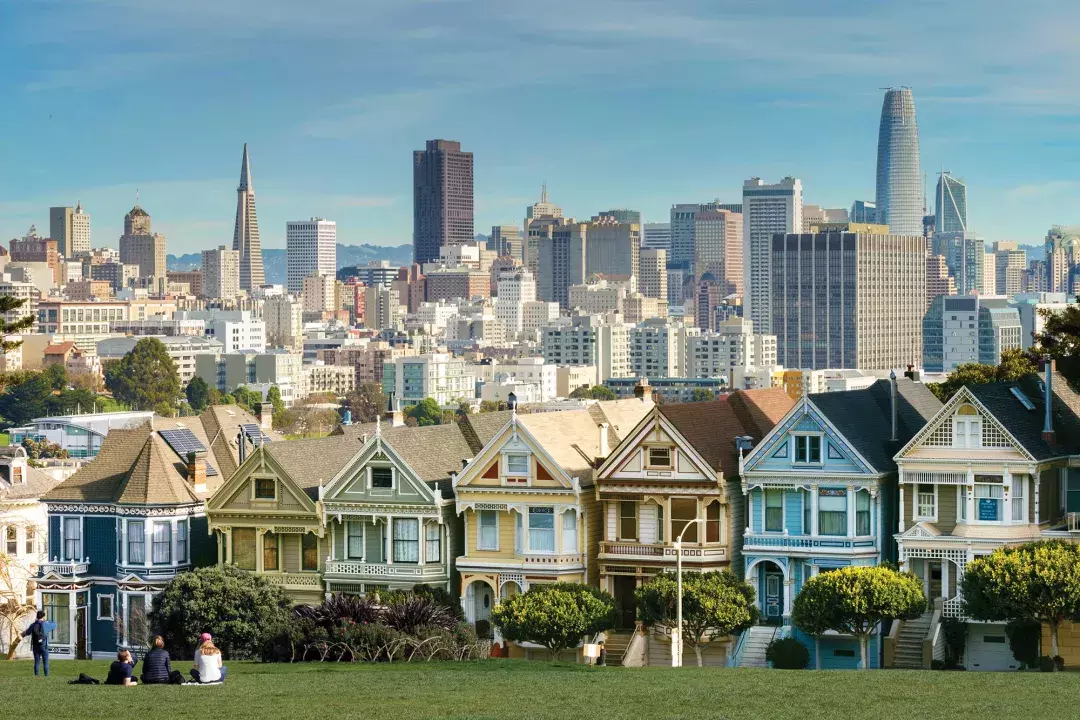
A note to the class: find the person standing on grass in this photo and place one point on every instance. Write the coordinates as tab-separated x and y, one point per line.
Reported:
208	667
39	642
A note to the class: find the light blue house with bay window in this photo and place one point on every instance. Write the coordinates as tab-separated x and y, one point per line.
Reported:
820	491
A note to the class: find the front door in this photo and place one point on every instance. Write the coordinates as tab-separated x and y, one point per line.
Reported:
624	600
774	597
484	599
80	634
935	578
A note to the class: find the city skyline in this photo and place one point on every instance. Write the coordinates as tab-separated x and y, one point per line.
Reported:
789	108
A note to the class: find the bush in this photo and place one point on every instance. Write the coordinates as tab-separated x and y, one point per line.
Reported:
787	654
439	595
1024	638
937	664
339	608
955	641
1046	663
243	611
411	612
556	615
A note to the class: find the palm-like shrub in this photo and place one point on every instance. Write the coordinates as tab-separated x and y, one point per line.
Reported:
412	612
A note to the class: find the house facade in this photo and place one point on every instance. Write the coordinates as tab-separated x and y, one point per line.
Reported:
819	491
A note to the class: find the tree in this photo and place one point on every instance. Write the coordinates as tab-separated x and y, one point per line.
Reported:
426	412
1060	339
855	601
306	419
37	449
556	615
14	608
1035	581
701	395
198	394
715	605
25	399
596	392
367	402
1013	366
56	376
8	303
273	396
248	399
146	377
242	610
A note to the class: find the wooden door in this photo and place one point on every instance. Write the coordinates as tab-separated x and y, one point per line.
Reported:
624	600
774	596
80	634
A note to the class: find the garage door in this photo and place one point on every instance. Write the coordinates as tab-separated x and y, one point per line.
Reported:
988	648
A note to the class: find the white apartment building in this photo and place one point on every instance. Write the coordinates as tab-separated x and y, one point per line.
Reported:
514	288
658	348
435	375
766	209
433	317
284	318
235	329
735	344
654	279
221	273
499	389
183	349
24	291
160	325
320	379
601	296
311	249
538	314
319	293
603	342
533	370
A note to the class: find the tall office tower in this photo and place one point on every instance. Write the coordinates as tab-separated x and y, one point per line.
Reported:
310	248
140	246
938	279
622	215
846	299
506	241
539	219
246	231
221	273
656	235
1010	264
989	271
613	247
718	248
951	213
70	229
562	262
899	176
654	273
863	211
515	287
767	210
681	229
1062	250
965	254
442	199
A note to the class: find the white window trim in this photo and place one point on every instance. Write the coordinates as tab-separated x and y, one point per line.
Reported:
506	469
915	510
555	530
63	539
967	420
794	449
1004	500
277	492
145	542
363	540
112	606
371	478
765	511
480	532
619	521
659	446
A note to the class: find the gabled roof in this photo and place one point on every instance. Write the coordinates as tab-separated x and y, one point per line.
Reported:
60	348
35	484
1025	425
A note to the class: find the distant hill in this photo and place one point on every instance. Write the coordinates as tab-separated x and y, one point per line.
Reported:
274	259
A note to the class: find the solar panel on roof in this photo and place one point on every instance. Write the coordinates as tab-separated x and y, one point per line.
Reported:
182	441
255	434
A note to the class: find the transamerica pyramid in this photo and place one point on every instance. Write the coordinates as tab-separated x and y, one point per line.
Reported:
246	234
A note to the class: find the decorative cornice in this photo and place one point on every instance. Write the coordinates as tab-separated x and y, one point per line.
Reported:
332	508
125	510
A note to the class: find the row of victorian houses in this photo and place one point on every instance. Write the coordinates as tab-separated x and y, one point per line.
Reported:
773	489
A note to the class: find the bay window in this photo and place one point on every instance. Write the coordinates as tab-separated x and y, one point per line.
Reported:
161	543
988	500
433	549
488	535
309	552
271	554
712	522
406	540
926	505
683	510
628	525
72	538
1016	494
774	510
569	532
354	544
832	511
541	529
136	542
862	513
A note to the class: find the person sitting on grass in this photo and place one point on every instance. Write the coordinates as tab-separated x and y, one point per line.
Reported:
156	668
208	667
121	672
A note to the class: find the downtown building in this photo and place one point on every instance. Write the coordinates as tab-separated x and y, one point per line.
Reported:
767	209
540	219
969	329
310	249
847	299
442	199
221	273
899	177
70	228
142	247
951	196
246	231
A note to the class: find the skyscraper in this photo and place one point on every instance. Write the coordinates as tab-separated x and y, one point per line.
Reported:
766	210
863	211
140	246
656	236
653	281
442	198
561	259
70	228
221	273
539	219
80	231
899	177
505	240
718	248
246	232
311	248
951	214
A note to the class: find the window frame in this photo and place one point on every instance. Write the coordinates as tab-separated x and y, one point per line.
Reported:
11	540
765	495
517	477
183	540
349	537
653	465
540	511
275	549
711	523
1000	500
807	437
111	597
130	543
255	489
917	513
480	515
433	546
76	543
254	547
1018	482
622	517
30	540
821	513
304	567
869	512
371	477
405	542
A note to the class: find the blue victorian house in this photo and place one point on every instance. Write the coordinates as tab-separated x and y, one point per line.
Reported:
820	491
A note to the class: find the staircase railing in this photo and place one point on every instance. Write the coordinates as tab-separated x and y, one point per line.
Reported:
736	655
634	654
932	634
890	642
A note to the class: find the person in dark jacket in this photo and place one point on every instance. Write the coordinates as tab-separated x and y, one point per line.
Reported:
156	668
122	671
39	642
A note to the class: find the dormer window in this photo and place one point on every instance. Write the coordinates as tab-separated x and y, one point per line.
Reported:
808	449
382	478
660	457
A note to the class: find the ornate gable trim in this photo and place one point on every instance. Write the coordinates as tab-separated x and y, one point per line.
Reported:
259	462
639	434
378	450
793	421
516	435
945	414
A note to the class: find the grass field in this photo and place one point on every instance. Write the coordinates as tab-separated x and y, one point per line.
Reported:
518	689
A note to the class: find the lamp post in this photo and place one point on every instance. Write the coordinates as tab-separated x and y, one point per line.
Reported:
677	646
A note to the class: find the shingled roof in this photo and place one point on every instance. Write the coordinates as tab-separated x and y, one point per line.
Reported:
1027	425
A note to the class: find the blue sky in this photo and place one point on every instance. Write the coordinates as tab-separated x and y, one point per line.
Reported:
613	102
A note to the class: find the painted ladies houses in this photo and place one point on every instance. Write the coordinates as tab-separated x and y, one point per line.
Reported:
819	493
996	465
529	508
123	525
366	510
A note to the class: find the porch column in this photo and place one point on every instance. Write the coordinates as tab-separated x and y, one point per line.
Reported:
945	578
970	502
851	511
389	542
1006	498
421	530
901	503
814	509
220	550
259	543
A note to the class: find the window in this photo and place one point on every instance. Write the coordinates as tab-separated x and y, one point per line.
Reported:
660	457
105	607
265	489
541	529
244	548
270	552
926	502
807	448
433	549
517	464
519	533
309	552
967	428
774	511
488	538
660	524
12	540
862	513
832	511
30	540
963	495
406	540
354	533
72	538
181	541
57	608
712	522
382	478
988	500
683	510
569	532
136	539
1019	508
628	520
137	629
161	544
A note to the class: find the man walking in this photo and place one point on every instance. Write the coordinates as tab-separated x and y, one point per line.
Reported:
39	642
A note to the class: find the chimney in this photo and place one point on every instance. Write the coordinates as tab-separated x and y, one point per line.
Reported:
266	416
394	414
196	472
603	445
892	397
643	390
1048	433
241	446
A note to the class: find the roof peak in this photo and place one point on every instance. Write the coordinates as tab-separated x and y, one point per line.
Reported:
245	172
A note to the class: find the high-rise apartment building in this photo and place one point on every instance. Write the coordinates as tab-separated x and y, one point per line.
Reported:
515	287
653	280
656	236
718	248
593	340
319	293
221	273
1010	264
951	196
848	299
442	198
965	253
938	279
613	247
899	175
561	261
70	228
284	318
246	231
311	248
140	246
766	210
506	241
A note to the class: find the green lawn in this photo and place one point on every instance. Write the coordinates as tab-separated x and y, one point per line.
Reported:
518	689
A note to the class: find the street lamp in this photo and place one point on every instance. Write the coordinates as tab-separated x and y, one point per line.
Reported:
677	645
